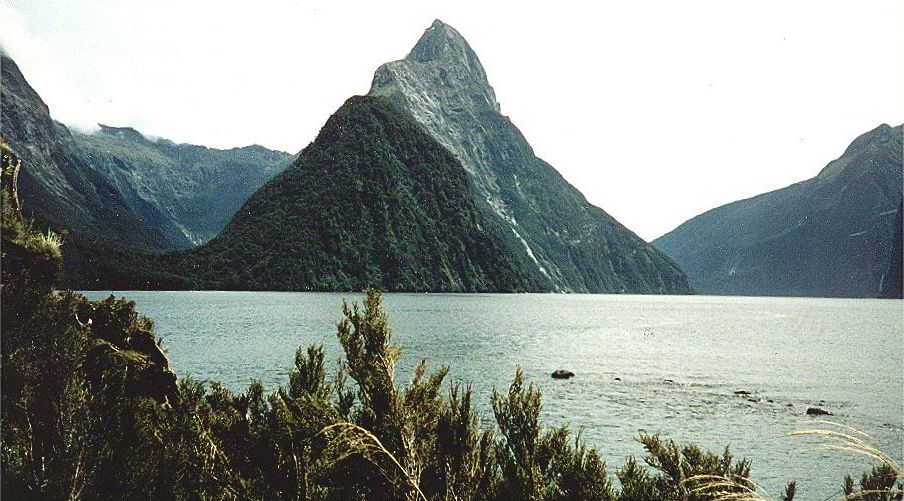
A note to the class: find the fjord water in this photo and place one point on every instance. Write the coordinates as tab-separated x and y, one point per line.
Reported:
664	364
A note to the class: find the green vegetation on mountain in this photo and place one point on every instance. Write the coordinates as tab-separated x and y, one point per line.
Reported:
893	281
382	197
831	235
373	201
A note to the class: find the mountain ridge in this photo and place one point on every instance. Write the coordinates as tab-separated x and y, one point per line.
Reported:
782	242
195	188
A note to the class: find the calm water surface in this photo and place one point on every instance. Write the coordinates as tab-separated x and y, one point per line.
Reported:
679	361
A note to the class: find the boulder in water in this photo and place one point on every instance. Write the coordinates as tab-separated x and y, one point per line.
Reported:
816	411
562	374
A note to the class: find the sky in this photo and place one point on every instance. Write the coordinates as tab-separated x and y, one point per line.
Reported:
656	110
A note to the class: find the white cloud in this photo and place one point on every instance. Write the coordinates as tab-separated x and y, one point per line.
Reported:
44	71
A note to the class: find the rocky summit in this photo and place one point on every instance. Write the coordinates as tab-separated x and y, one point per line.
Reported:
562	242
831	235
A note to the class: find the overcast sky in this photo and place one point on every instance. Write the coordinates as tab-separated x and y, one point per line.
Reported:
656	111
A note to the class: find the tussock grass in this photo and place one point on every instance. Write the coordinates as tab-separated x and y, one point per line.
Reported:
49	243
721	488
847	441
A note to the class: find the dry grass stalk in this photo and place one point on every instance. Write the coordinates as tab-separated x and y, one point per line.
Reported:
847	442
726	489
352	439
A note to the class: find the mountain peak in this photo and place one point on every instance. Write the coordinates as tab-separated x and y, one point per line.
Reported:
441	42
123	132
443	61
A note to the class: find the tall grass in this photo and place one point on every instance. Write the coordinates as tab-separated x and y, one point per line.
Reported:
832	438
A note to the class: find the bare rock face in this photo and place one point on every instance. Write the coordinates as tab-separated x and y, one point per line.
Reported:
548	226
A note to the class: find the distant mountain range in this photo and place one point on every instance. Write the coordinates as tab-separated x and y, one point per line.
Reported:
116	189
832	235
422	185
189	192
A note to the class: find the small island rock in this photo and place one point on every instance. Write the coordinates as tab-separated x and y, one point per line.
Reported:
562	374
816	411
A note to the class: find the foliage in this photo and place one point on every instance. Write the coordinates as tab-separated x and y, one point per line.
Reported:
682	473
879	484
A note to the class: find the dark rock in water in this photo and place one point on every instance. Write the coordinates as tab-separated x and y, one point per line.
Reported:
771	401
742	392
562	374
790	405
670	381
618	379
753	400
816	411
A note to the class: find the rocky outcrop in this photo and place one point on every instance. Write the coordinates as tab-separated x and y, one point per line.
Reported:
831	235
125	352
564	242
112	346
562	374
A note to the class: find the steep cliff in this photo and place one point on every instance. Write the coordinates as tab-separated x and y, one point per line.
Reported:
56	184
